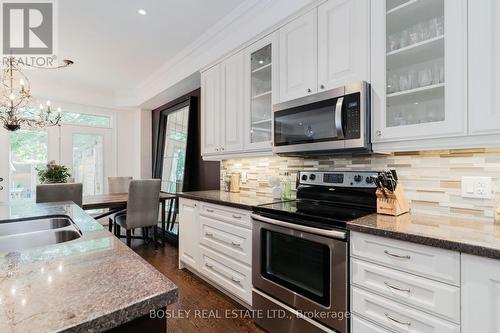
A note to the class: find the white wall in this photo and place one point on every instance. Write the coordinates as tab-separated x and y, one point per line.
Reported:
128	143
146	144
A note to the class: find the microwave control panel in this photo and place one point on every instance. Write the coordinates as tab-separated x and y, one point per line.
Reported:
352	116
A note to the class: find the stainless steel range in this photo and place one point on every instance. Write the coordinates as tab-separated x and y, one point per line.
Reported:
301	251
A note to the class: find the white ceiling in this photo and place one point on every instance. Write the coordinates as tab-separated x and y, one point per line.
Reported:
115	49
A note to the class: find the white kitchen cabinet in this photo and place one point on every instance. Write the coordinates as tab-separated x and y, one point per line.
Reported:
484	67
396	316
480	294
188	233
232	109
343	42
222	98
426	261
360	325
419	71
232	240
298	61
403	287
261	73
227	273
211	110
215	241
427	295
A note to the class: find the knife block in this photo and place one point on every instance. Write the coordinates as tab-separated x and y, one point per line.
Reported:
394	203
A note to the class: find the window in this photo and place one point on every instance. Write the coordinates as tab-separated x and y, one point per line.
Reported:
92	120
28	150
88	166
174	155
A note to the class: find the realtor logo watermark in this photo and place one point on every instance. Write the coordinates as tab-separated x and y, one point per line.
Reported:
29	32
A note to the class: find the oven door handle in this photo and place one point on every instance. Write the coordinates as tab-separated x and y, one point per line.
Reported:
338	118
322	232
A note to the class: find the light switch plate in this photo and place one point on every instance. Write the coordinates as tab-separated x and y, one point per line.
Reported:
477	187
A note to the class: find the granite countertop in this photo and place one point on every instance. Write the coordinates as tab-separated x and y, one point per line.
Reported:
447	232
91	284
237	200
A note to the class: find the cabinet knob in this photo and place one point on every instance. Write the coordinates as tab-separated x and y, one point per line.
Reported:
309	90
378	133
222	148
322	86
1	187
216	149
1	179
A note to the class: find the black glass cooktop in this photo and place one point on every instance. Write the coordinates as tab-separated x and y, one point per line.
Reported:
314	212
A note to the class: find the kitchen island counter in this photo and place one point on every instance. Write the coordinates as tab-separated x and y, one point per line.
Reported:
91	284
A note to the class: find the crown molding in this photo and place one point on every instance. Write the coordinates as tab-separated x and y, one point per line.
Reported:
251	20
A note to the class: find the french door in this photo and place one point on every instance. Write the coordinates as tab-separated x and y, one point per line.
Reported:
87	151
4	166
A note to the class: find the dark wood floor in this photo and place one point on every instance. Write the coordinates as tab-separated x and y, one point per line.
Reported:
194	294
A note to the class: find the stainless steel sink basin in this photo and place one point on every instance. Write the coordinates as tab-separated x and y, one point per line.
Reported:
21	227
36	239
21	235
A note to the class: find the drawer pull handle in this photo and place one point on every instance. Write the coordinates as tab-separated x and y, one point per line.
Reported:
396	288
236	244
209	265
407	323
396	255
237	216
209	234
210	210
235	279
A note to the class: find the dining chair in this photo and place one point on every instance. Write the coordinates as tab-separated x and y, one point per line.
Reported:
117	185
59	192
142	209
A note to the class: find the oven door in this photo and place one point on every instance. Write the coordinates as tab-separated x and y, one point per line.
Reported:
305	270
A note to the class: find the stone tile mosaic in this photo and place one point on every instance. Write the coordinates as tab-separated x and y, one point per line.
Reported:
432	179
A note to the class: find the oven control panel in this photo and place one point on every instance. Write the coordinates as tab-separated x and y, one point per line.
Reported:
339	178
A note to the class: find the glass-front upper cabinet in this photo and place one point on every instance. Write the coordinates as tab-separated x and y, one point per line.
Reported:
261	92
419	69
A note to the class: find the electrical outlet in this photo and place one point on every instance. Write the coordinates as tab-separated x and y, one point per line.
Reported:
477	187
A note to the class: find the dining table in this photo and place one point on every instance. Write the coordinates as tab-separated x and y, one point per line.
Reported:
115	202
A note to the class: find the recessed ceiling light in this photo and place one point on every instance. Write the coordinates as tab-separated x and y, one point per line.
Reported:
142	11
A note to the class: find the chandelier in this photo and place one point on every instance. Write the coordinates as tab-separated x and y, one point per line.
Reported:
16	109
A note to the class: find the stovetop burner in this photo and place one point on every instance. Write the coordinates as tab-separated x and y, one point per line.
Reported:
327	199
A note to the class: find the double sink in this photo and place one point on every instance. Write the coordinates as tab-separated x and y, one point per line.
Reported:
23	234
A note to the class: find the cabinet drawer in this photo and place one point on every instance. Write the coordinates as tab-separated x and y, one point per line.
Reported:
360	325
230	215
232	240
227	273
426	261
397	317
438	298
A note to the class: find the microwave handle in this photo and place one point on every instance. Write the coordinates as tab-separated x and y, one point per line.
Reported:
338	118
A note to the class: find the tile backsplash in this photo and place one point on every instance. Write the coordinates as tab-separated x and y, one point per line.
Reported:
432	179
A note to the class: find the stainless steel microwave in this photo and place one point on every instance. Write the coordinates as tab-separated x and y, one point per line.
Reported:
330	122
